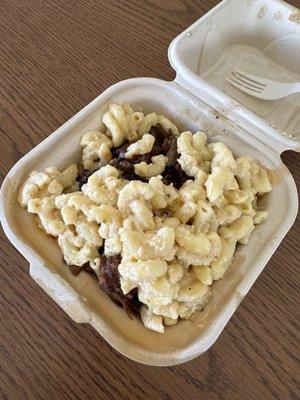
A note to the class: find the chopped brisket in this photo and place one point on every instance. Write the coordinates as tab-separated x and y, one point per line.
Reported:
175	174
126	168
166	144
109	281
160	134
119	152
83	177
76	269
169	148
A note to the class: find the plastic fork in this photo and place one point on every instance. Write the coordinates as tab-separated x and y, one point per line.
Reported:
261	87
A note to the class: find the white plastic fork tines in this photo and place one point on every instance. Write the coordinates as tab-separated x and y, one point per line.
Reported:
261	87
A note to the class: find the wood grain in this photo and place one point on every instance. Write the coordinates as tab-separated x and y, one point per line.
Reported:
56	56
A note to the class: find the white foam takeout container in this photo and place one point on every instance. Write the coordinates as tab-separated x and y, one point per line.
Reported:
198	98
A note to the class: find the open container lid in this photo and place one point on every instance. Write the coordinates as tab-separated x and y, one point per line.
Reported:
258	37
82	299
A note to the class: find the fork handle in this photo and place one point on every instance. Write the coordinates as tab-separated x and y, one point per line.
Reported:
293	87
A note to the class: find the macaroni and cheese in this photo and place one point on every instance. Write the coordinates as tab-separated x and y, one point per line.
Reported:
156	213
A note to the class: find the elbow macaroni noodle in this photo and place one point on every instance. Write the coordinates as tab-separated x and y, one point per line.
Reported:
174	242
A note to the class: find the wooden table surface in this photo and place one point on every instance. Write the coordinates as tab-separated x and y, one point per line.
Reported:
56	57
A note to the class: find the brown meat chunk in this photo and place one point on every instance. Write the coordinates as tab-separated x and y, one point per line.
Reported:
174	174
131	176
156	150
160	134
121	163
76	269
109	280
166	144
83	177
119	154
126	168
169	148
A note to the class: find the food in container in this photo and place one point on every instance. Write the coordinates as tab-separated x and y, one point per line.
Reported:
192	104
156	214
